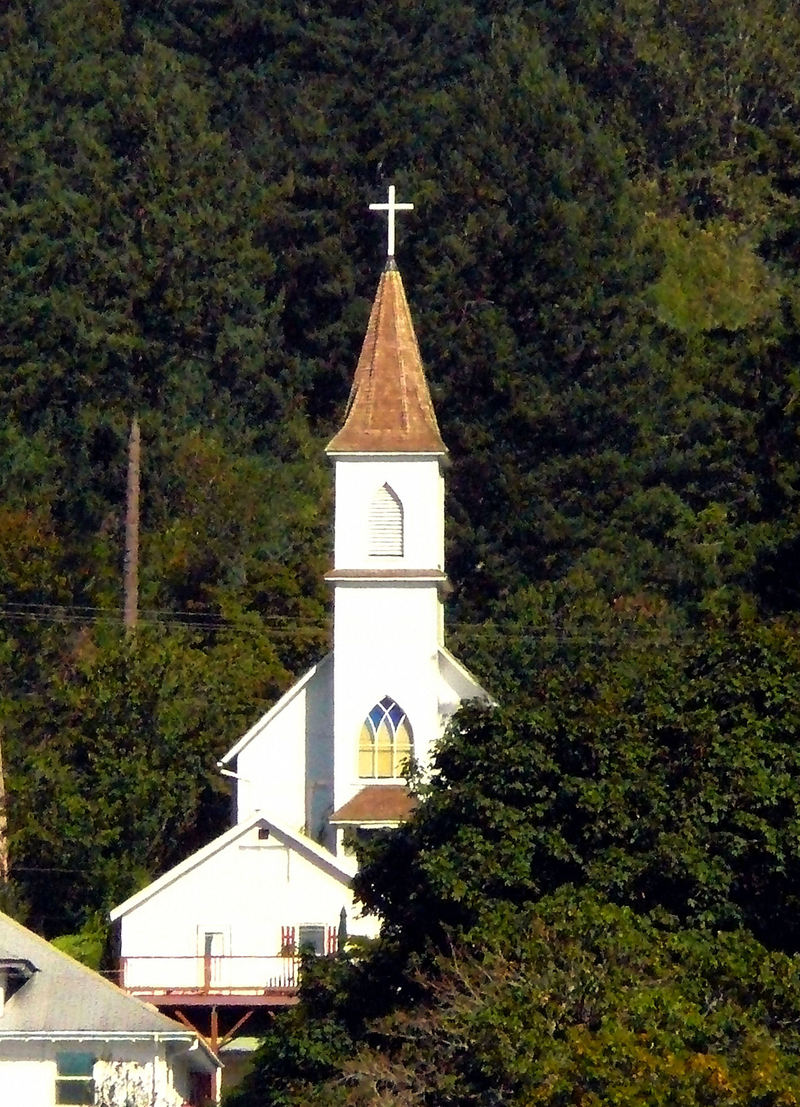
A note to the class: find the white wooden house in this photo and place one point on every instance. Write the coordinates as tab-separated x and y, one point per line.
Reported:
69	1036
229	921
329	759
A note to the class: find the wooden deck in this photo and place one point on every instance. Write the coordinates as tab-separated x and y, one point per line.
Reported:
219	981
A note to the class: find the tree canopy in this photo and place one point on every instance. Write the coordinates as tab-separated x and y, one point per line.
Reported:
580	1002
594	902
664	776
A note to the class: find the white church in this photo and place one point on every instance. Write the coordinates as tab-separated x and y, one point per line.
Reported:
327	762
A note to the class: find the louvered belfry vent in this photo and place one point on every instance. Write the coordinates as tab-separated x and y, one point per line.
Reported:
385	524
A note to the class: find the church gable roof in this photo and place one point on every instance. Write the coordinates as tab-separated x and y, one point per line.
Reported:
321	671
390	408
463	684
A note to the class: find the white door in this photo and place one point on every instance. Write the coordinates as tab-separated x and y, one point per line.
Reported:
213	954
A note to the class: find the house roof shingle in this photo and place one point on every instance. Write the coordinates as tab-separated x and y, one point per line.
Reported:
64	997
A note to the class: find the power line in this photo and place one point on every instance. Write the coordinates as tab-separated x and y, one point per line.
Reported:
43	869
116	612
274	625
288	625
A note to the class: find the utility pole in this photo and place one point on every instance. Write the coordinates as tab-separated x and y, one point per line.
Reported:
3	821
131	564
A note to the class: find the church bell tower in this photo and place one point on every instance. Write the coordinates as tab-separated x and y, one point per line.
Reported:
388	574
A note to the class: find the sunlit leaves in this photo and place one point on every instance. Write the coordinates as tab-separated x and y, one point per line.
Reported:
663	773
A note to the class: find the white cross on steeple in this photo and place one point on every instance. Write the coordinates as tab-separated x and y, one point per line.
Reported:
390	208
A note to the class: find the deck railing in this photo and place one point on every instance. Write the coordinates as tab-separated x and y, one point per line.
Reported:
246	975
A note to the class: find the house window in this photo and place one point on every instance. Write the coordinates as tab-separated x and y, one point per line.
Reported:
386	742
75	1078
385	524
312	939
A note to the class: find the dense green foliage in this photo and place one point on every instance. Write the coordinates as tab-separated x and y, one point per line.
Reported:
666	777
576	1002
660	779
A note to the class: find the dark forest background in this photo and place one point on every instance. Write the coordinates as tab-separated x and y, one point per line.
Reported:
602	266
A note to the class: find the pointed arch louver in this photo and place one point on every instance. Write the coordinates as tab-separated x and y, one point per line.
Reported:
385	524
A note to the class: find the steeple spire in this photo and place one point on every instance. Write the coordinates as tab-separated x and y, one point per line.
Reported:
390	408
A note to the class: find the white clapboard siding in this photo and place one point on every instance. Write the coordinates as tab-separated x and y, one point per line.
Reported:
385	524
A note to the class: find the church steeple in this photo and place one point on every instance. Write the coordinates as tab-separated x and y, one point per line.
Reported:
388	566
390	409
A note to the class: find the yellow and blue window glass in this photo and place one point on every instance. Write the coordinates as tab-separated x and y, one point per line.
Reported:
386	741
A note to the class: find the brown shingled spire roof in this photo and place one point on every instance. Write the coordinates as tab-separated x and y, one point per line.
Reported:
390	409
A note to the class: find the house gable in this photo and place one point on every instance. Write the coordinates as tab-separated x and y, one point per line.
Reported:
242	836
226	916
67	1032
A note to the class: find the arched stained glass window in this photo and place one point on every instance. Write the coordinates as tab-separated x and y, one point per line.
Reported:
386	742
385	524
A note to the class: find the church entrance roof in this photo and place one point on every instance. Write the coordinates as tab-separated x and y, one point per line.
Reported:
377	803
